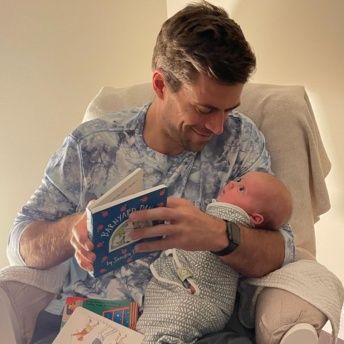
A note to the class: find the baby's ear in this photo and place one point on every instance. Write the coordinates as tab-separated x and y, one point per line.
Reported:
257	219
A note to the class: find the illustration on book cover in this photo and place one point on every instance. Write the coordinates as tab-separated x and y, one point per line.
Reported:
87	327
124	312
113	246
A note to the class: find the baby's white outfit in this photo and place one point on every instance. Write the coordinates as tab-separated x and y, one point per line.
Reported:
192	293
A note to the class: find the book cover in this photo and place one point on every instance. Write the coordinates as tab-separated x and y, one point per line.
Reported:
87	327
108	223
124	312
71	303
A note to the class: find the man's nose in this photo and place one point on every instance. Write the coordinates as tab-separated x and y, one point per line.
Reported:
215	122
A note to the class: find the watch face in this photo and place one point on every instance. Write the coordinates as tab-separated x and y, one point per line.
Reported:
234	233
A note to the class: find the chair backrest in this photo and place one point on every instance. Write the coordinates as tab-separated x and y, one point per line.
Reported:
285	116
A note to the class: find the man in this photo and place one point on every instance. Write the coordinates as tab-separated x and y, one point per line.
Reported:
189	138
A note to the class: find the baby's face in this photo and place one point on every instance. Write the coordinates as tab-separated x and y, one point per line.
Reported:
241	192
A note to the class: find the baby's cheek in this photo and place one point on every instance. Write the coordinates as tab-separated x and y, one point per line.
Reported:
227	195
221	197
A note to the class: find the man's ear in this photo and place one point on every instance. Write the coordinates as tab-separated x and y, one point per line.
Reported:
256	218
159	85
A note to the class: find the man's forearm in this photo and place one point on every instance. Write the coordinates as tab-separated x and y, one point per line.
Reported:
259	252
45	244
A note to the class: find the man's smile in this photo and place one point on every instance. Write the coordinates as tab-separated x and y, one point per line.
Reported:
205	134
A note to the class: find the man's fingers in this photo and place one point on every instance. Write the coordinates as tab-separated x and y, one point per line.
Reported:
155	214
83	262
81	250
170	213
174	202
156	245
84	257
83	246
153	231
80	234
181	219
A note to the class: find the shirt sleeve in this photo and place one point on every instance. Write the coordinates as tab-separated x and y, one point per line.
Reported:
289	244
57	196
252	153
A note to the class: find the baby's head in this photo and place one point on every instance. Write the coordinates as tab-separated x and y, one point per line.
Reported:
265	198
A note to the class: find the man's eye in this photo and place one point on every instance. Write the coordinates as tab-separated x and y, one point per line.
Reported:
241	188
204	110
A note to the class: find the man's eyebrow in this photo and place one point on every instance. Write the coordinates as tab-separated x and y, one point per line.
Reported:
215	108
233	107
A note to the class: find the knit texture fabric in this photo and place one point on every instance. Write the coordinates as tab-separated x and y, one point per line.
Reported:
192	293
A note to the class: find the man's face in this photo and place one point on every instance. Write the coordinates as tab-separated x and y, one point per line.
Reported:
196	113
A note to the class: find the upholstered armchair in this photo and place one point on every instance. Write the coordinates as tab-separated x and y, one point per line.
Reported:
285	116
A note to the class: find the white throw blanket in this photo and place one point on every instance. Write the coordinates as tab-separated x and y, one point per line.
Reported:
307	279
50	280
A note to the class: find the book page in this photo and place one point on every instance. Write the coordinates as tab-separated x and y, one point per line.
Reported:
126	198
131	184
86	327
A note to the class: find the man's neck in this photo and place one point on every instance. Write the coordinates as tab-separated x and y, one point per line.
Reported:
154	134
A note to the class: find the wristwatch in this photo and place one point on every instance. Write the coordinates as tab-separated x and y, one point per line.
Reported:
233	235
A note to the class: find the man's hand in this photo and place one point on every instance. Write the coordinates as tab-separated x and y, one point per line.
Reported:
82	244
186	227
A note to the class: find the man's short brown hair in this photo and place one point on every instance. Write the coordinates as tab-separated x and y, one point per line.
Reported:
201	38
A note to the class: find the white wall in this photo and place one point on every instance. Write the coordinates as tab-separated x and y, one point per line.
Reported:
301	42
54	57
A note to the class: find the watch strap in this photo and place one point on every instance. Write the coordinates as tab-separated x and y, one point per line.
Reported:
233	235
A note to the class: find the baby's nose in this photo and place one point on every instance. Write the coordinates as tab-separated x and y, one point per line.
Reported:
231	184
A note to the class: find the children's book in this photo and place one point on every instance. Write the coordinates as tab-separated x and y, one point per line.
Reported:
108	223
87	327
71	304
124	312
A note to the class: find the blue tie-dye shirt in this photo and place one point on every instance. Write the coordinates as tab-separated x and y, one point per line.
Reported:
101	152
